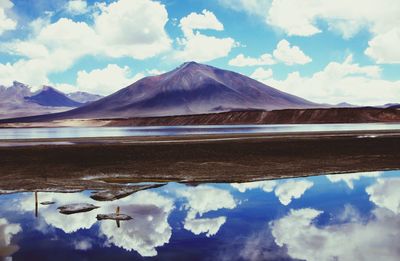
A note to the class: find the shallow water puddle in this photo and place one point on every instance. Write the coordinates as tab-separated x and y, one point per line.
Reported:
345	217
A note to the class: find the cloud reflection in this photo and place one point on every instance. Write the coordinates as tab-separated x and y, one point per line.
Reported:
203	199
7	231
349	178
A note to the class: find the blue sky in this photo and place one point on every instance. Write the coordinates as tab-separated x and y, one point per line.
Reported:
325	51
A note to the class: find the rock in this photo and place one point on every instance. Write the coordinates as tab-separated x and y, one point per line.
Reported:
76	208
47	203
113	216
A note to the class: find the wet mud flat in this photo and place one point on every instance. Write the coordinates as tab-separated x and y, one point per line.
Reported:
110	163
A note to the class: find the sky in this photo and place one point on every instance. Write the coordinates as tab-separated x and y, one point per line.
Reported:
322	50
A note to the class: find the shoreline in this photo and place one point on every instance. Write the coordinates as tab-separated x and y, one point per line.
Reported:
111	162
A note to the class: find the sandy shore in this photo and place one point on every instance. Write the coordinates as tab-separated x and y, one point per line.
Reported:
97	163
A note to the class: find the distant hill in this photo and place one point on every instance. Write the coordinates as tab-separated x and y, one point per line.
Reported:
18	100
49	96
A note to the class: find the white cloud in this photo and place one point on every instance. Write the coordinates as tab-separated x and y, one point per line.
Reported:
107	80
386	194
77	7
384	48
203	199
290	55
262	74
202	21
155	72
267	185
197	46
285	191
304	240
148	230
292	189
117	31
49	213
122	31
6	23
149	227
82	245
341	82
284	52
7	231
349	178
254	7
241	60
381	18
210	226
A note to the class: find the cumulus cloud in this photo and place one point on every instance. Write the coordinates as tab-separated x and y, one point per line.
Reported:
7	231
76	7
6	22
117	31
386	194
367	241
262	74
303	17
107	80
379	17
338	82
197	46
267	186
292	189
148	230
290	55
285	191
203	199
349	178
254	7
50	215
241	60
284	52
210	226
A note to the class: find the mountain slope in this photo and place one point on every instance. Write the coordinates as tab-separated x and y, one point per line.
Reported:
49	96
84	97
191	89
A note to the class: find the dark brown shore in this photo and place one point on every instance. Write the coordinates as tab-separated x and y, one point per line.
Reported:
287	116
99	163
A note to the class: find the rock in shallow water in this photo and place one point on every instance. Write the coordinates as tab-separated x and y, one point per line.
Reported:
76	208
113	216
47	203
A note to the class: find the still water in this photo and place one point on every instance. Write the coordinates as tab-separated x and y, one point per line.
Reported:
338	217
77	132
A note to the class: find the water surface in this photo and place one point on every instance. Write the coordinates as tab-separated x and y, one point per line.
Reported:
78	132
338	217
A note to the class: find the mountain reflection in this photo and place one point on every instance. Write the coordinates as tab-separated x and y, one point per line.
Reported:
304	218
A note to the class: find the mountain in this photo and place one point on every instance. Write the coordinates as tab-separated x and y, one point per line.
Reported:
18	100
84	97
49	96
345	105
190	89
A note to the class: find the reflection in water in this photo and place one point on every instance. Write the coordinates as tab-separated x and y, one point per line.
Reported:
303	218
7	231
351	177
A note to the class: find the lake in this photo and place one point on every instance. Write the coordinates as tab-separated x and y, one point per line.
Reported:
333	217
79	132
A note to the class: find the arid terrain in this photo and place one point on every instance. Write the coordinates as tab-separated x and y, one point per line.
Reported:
99	163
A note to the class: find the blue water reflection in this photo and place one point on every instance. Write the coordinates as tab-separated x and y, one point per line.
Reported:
334	217
77	132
